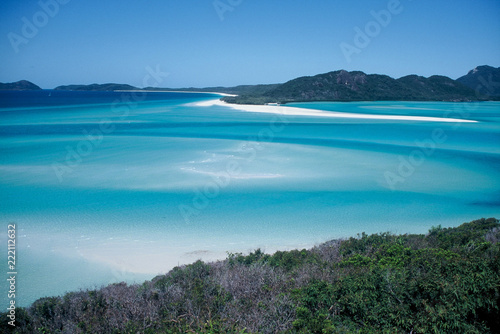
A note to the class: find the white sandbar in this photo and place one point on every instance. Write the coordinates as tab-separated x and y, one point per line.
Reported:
293	111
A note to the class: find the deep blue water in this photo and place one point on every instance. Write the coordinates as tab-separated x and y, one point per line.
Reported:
112	186
52	98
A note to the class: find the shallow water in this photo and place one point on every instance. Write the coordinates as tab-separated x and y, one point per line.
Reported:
104	188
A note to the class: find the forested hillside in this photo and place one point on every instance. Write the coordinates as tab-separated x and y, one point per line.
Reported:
358	86
484	79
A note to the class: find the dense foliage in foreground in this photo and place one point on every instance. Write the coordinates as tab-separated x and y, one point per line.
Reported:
447	281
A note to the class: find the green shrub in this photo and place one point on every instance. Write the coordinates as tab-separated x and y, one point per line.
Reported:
447	281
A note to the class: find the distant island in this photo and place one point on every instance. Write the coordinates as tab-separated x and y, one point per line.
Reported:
480	84
108	87
19	85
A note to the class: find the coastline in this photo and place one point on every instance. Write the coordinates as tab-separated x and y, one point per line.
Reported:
294	111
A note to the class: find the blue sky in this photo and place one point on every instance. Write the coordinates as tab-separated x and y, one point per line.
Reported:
243	41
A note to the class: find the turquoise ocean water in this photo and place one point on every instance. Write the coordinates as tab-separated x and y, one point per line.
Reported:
106	187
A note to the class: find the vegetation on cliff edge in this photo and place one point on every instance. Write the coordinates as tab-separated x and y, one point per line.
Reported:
447	281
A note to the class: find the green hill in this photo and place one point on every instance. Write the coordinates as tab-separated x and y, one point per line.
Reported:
446	281
19	85
358	86
484	79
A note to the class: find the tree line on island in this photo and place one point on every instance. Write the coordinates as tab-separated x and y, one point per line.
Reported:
357	86
481	83
446	281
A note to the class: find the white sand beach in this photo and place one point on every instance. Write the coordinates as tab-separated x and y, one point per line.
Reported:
293	111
